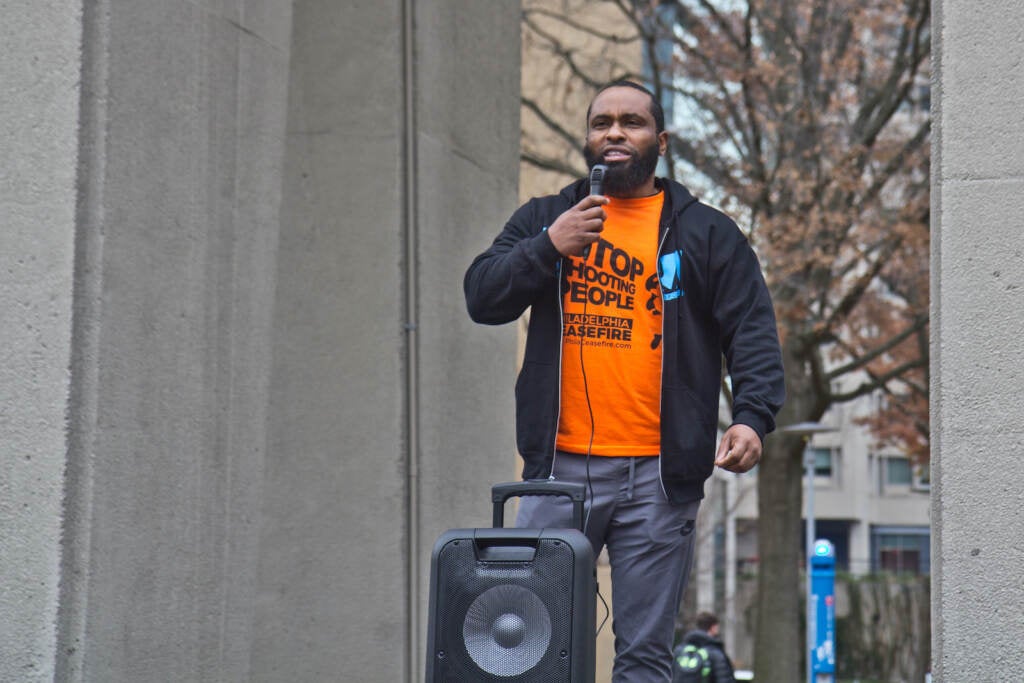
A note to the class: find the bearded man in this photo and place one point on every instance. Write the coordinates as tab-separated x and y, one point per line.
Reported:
635	296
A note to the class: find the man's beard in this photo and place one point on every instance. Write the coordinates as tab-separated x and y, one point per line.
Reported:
623	177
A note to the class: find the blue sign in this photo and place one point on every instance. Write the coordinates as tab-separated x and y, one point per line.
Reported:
823	606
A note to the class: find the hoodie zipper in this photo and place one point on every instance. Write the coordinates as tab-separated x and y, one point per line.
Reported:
561	349
661	383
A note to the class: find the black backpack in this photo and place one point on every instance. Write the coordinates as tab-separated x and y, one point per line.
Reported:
692	665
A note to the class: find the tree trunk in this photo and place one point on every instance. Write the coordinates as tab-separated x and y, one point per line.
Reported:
779	639
779	642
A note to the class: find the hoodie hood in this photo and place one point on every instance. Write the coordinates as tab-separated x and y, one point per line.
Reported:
702	639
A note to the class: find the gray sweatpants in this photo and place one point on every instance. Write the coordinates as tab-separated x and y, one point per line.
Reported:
650	548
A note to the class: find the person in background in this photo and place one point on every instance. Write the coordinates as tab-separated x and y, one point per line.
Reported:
701	658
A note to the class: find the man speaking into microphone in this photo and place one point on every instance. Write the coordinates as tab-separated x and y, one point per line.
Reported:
636	291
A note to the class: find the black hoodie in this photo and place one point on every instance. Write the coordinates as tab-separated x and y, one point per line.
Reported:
718	304
721	667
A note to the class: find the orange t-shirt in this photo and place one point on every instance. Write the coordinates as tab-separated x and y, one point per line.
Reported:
611	314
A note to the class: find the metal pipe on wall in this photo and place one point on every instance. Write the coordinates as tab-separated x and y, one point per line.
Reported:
411	304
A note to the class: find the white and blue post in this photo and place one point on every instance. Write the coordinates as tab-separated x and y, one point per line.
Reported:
823	612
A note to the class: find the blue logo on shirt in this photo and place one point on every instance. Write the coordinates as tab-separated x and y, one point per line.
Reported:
670	268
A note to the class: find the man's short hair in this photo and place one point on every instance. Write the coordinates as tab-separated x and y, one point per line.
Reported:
705	620
656	110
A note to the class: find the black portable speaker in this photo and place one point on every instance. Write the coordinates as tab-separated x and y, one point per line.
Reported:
513	605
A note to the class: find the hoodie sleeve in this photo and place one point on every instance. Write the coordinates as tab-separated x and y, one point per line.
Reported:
742	308
721	667
504	281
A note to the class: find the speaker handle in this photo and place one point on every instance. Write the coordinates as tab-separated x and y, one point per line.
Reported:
538	487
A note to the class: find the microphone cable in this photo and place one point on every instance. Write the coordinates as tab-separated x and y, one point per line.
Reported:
597	177
590	446
596	180
590	407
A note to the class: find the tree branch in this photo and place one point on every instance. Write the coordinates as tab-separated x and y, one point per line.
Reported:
709	166
861	285
863	359
583	28
878	109
877	382
555	127
896	162
550	164
566	54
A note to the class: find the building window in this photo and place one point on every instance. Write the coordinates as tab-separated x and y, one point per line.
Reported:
897	472
826	463
900	550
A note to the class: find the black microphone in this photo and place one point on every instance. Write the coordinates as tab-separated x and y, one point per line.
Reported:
596	187
597	178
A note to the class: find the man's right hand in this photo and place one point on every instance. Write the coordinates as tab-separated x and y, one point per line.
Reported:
579	227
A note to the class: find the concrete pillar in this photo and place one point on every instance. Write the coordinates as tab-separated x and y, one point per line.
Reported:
860	547
141	213
391	413
182	138
39	68
241	395
977	309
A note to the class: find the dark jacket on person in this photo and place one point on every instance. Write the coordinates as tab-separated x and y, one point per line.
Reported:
721	666
717	302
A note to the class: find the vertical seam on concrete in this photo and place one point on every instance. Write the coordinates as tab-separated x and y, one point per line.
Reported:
411	304
226	431
935	346
87	291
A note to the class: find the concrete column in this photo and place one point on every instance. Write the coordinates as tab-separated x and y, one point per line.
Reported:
184	112
233	424
141	208
39	67
391	413
977	309
860	547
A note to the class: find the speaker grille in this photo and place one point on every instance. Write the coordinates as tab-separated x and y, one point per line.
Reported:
507	630
504	621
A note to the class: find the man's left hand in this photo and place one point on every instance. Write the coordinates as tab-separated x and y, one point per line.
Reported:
739	450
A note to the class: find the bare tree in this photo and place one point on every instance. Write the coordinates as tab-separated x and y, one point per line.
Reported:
808	120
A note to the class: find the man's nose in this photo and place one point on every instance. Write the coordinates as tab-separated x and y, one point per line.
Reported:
615	132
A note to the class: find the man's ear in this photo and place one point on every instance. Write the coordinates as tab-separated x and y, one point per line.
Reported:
662	142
